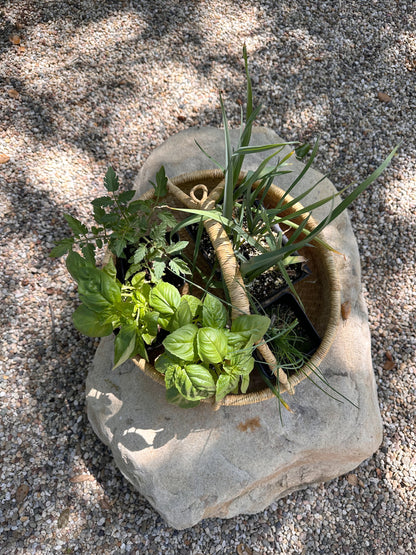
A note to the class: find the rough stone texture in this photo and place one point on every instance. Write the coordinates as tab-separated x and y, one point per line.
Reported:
198	463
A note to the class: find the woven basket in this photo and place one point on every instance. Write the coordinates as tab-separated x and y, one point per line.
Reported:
320	292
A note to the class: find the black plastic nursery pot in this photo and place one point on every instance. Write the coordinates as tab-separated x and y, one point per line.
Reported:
271	285
287	308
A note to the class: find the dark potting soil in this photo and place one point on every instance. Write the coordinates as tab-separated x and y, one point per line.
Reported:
271	283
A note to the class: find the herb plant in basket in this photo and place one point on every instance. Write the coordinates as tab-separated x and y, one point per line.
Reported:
205	331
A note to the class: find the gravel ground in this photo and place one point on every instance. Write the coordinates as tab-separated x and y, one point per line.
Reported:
85	84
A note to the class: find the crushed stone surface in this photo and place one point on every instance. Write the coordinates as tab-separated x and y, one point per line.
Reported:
87	84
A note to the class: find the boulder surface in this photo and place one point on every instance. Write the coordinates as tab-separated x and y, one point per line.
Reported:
192	464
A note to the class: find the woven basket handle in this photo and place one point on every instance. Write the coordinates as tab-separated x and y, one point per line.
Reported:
228	263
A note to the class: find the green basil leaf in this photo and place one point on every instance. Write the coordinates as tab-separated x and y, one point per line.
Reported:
239	363
116	314
251	326
170	375
173	396
244	362
182	316
140	295
138	279
214	313
124	344
164	322
225	384
110	269
165	298
201	378
97	290
235	340
212	345
90	323
147	339
181	342
194	382
194	304
151	320
77	266
140	348
166	361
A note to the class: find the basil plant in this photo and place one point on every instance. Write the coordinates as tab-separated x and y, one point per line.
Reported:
203	356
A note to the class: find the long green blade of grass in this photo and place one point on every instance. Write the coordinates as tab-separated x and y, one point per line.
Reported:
211	215
262	262
252	149
317	240
229	175
249	107
246	130
363	186
209	157
302	173
309	208
258	174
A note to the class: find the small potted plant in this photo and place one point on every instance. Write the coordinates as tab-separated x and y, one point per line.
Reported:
220	331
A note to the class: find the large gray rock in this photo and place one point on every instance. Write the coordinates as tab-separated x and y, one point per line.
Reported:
198	463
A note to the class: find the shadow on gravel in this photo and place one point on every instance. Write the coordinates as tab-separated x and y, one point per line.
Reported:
54	362
21	223
44	110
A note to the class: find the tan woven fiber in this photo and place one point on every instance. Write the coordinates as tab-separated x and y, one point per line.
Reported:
229	266
320	292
